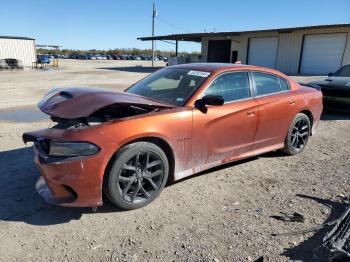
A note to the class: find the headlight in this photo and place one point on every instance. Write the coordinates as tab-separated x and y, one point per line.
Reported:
72	149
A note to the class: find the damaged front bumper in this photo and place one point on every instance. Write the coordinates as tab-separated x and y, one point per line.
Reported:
69	181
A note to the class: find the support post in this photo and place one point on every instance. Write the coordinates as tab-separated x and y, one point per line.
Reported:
176	47
154	14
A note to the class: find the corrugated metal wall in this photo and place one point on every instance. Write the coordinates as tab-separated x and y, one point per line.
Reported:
22	49
289	48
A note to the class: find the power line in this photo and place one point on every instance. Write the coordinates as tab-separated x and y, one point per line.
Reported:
171	24
178	27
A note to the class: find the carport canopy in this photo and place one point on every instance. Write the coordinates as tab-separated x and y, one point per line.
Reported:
197	37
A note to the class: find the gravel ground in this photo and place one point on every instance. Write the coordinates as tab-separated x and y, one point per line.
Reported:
219	215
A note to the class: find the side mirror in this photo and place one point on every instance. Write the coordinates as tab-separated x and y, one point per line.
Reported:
330	74
209	100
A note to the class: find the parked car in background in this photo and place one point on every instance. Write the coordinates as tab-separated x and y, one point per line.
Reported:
176	122
44	59
336	90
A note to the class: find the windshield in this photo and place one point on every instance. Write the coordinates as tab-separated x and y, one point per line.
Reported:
170	85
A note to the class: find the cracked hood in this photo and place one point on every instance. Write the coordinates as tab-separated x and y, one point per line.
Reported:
77	102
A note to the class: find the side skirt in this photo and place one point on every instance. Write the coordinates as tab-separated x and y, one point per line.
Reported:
197	169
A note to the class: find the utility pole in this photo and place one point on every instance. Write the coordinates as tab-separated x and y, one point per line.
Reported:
154	14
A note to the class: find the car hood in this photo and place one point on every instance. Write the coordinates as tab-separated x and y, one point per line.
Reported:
77	102
334	82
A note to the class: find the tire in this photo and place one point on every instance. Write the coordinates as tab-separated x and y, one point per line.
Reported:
137	177
298	135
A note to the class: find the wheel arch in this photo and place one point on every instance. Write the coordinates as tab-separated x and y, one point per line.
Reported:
310	116
163	144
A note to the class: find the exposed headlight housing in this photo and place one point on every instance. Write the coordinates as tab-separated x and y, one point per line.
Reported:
72	149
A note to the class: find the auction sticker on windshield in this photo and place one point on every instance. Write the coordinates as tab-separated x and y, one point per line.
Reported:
199	73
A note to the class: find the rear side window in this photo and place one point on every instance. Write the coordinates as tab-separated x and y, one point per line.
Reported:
231	86
284	84
269	84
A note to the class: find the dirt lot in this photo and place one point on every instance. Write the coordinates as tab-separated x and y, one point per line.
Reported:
220	215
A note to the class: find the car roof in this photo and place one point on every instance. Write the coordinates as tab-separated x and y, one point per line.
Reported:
211	67
214	67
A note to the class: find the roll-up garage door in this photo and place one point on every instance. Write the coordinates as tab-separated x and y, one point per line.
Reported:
263	51
322	53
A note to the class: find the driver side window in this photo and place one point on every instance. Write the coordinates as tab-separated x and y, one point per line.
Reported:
231	86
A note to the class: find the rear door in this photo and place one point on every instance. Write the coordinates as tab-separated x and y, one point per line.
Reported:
276	109
228	130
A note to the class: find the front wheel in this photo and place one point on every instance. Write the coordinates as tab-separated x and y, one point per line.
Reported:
138	175
298	135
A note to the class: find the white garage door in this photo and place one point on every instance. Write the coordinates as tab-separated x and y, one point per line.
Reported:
322	53
263	51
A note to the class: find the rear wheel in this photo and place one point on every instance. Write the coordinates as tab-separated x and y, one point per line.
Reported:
298	135
138	175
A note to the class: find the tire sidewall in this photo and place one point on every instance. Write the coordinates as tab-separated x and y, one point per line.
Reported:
123	155
288	145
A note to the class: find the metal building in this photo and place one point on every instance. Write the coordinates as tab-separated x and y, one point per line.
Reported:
317	49
22	48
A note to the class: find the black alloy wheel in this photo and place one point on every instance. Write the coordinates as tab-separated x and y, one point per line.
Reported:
138	175
298	134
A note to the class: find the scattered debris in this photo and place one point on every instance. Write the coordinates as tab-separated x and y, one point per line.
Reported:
295	217
260	259
337	241
96	247
229	209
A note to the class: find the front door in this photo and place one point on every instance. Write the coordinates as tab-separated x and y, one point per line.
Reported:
227	131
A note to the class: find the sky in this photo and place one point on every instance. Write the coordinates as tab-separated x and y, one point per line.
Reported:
109	24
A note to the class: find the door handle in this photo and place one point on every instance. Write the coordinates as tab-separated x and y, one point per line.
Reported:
251	113
291	102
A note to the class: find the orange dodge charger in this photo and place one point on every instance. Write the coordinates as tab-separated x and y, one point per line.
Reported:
176	122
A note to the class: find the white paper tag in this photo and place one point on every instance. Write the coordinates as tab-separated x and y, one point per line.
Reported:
198	73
